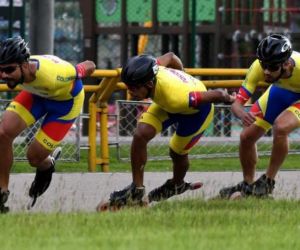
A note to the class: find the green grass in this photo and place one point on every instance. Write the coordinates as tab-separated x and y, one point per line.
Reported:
172	225
175	225
220	148
217	164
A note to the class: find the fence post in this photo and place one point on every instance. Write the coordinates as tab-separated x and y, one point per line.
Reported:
92	136
104	138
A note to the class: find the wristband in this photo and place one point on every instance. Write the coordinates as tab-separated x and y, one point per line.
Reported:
80	69
243	95
194	99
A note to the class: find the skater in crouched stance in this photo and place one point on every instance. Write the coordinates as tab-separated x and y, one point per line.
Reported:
279	108
52	89
178	98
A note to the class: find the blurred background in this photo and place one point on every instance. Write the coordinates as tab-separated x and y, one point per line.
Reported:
204	33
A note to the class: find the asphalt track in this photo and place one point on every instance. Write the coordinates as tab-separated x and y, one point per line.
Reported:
81	192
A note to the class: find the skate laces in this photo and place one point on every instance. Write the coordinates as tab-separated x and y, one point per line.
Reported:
3	199
242	187
43	178
41	181
167	190
129	195
3	196
263	186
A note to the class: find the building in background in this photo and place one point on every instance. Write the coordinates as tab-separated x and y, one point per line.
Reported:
68	32
12	18
204	33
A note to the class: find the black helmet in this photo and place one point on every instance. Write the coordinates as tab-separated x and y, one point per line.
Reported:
274	49
139	70
14	50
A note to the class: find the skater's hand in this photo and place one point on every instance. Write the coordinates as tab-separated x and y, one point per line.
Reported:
249	118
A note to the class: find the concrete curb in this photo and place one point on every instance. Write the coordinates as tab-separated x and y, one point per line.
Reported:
74	192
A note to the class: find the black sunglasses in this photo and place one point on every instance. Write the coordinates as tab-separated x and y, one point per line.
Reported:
8	69
270	67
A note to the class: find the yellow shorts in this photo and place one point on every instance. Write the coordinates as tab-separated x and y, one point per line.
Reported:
189	127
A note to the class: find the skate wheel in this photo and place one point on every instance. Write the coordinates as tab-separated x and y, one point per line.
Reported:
105	206
145	203
102	207
196	185
236	196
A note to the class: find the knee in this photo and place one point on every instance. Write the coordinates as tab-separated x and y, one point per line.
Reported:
143	135
279	129
243	137
139	138
246	138
5	136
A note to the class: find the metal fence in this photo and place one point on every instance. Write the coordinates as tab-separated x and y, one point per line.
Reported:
221	139
70	144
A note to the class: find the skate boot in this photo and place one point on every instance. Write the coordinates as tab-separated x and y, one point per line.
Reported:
43	178
3	199
243	187
167	190
263	186
129	196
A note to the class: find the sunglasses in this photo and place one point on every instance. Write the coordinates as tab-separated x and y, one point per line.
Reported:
270	67
8	69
